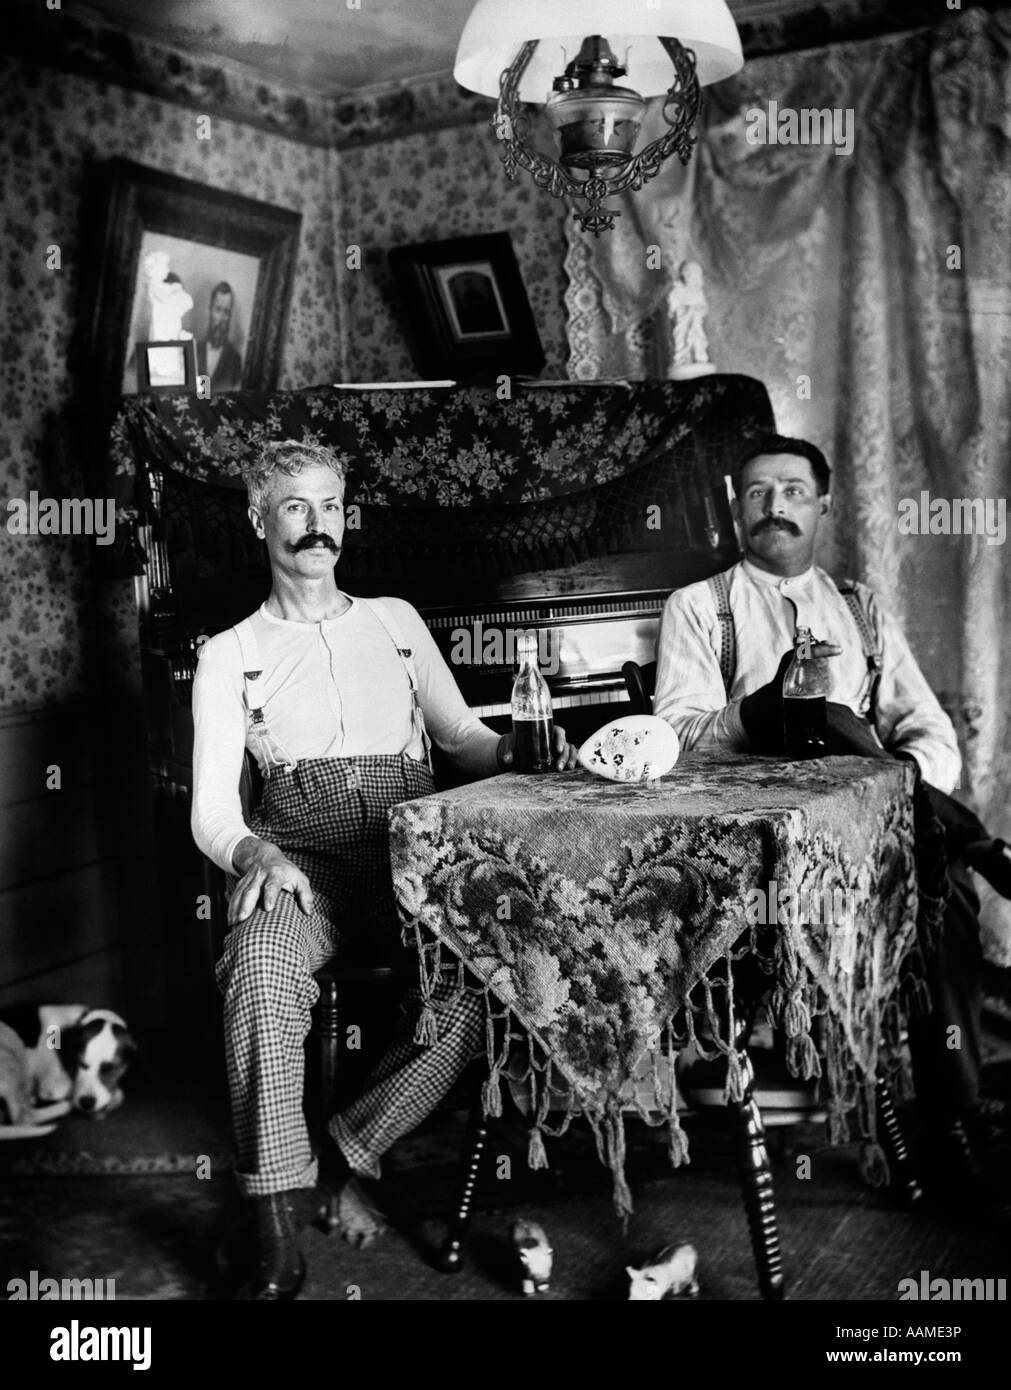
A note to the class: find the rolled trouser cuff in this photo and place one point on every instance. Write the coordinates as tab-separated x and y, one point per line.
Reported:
263	1184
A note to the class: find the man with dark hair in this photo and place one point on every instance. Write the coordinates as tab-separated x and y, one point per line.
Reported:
216	357
338	699
722	654
780	444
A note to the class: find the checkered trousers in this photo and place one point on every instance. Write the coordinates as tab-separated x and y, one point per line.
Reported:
329	817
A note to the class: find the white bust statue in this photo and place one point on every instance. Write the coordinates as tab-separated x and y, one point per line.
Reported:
168	299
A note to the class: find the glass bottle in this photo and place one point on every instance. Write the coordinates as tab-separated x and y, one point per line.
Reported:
805	694
533	722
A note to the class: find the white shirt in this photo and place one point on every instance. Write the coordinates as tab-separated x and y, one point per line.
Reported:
767	609
330	689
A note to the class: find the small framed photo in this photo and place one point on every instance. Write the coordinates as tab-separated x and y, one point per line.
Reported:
168	366
466	307
177	262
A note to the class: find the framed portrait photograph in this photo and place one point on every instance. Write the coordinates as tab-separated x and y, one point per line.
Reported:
466	308
180	262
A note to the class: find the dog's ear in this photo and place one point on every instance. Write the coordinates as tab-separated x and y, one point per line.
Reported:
74	1041
71	1048
128	1047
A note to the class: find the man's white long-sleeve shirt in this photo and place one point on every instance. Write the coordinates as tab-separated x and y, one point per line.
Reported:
767	609
330	689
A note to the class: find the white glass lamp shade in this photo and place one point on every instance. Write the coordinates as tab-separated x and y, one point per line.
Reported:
496	30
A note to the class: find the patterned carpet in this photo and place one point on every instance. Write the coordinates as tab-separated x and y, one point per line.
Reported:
149	1221
139	1198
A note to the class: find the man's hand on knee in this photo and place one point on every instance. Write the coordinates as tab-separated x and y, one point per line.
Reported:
266	873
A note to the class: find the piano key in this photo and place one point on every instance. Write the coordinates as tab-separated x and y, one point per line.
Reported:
582	700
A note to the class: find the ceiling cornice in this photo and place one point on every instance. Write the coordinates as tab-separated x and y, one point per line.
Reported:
220	86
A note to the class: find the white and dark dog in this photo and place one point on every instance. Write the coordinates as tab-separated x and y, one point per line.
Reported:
55	1058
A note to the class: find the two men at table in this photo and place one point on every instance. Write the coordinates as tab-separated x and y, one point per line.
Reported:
336	698
783	495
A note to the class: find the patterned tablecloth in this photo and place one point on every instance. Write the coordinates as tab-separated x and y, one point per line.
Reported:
591	914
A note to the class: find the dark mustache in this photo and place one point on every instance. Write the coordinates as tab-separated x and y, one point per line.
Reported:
307	542
775	523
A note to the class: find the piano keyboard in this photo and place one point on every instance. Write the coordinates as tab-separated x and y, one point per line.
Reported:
613	694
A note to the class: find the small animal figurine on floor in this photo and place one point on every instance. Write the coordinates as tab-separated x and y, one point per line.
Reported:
673	1271
534	1253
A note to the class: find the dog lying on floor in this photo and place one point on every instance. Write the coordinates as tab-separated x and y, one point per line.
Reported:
55	1058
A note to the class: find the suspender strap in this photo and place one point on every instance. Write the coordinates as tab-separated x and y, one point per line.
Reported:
854	602
869	702
252	669
728	633
272	754
395	635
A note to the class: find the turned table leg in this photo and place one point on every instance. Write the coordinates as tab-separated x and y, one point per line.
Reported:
756	1185
904	1179
450	1259
329	1044
328	1029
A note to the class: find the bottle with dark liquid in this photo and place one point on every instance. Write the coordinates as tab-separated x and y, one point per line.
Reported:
805	693
533	722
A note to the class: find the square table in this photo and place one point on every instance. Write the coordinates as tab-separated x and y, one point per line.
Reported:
606	924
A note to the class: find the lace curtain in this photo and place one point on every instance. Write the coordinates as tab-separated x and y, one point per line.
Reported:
871	292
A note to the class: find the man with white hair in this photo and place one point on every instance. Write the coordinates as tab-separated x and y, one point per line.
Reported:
337	698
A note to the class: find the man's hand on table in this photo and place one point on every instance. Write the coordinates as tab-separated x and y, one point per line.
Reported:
762	711
846	732
265	874
565	752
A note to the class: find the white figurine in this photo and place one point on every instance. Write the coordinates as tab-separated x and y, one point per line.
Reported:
687	306
673	1271
534	1254
168	299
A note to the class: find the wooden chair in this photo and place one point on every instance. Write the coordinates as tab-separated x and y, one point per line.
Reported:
640	682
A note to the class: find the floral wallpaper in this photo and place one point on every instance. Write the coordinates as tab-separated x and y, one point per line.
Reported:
343	324
431	187
53	126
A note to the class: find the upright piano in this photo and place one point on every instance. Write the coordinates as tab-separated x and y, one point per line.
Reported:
570	509
573	510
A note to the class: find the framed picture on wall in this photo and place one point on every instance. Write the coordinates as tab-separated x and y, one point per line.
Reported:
167	366
466	308
180	262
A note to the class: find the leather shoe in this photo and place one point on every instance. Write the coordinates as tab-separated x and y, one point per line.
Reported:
953	1178
278	1271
